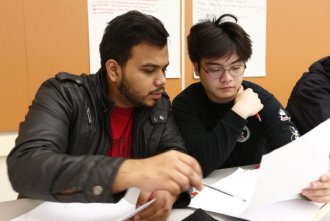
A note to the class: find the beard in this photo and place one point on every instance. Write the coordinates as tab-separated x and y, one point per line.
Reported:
133	96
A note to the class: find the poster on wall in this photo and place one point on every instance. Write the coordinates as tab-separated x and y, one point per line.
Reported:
100	12
251	15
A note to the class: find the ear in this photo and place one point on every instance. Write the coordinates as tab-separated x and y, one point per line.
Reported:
196	71
112	67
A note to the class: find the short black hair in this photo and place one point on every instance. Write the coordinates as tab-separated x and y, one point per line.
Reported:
128	30
218	38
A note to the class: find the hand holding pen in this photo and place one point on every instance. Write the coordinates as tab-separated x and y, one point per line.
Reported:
159	210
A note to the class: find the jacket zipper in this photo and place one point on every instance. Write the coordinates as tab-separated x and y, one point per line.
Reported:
89	115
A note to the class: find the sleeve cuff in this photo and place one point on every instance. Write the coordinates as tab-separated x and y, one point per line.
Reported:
183	199
234	120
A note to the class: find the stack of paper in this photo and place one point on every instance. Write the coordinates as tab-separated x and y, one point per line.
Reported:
52	211
272	191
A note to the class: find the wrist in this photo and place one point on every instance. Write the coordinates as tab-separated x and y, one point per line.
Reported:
125	177
240	112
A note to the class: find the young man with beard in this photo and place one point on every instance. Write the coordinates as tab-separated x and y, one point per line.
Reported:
89	138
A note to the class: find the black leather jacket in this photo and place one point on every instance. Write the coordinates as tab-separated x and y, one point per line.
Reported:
62	143
309	102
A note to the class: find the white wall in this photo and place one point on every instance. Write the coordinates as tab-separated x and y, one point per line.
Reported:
7	141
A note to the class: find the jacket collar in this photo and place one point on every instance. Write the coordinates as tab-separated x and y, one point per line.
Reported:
106	101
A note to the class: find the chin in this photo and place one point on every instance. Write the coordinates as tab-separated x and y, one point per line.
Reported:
149	103
225	99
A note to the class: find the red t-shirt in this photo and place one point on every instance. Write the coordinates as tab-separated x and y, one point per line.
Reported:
121	123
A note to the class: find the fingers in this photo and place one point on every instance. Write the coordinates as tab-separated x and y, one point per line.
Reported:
317	195
160	209
192	163
143	198
318	191
192	170
184	173
325	178
240	90
153	212
247	103
254	99
172	171
179	183
322	183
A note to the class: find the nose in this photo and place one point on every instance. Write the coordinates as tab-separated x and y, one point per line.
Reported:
160	79
226	77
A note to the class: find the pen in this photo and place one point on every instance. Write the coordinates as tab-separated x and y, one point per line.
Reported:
258	116
193	194
224	192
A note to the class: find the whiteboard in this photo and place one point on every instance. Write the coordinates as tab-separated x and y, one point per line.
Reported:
100	12
251	15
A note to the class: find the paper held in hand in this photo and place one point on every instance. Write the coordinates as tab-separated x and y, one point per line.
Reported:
272	191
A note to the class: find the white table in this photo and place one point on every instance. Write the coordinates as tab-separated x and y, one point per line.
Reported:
14	208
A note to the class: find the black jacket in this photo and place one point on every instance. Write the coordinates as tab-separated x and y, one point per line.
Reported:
219	138
309	102
63	141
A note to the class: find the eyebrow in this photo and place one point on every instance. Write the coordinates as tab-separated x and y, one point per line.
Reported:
215	63
149	65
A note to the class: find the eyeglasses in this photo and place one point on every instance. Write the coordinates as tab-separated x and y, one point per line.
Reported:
218	72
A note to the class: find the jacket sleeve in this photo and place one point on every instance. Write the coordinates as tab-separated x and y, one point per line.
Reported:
41	165
277	126
309	101
200	141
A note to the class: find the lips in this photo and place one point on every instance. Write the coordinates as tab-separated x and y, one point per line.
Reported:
226	88
159	90
157	94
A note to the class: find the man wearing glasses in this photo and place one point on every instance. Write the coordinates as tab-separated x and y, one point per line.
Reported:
225	120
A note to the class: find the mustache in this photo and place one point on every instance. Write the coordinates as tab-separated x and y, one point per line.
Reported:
157	90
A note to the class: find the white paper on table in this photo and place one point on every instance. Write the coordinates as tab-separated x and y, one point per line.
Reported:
233	183
289	210
213	200
283	173
53	211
